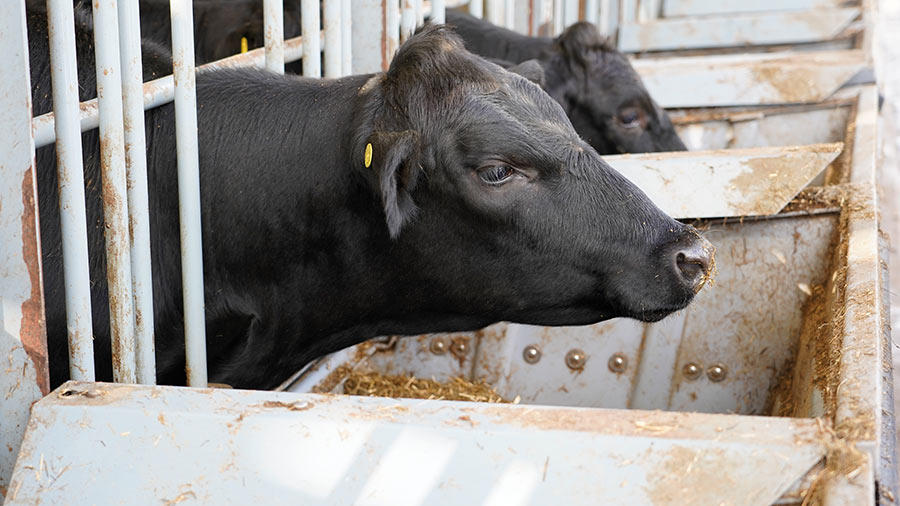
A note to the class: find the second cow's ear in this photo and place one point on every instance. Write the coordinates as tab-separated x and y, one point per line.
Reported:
394	157
531	70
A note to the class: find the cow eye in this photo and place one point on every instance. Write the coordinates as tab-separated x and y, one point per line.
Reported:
496	174
630	117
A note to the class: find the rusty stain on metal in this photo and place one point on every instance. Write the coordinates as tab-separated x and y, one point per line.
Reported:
33	332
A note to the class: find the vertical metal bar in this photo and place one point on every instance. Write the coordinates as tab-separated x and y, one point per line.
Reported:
138	200
346	38
115	197
312	52
23	347
407	20
558	17
392	30
420	12
493	11
189	190
332	26
509	12
570	12
273	25
438	11
592	12
476	8
73	220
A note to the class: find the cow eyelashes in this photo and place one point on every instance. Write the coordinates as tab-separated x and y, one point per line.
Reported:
496	174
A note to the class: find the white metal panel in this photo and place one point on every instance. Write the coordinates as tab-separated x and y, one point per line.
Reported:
738	182
751	79
770	127
748	321
244	447
23	346
736	30
550	381
674	8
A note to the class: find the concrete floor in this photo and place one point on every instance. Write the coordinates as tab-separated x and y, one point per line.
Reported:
887	69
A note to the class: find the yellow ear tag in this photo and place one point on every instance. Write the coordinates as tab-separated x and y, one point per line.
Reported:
368	155
244	47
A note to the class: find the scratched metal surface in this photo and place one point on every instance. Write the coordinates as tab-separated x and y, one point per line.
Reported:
202	446
23	346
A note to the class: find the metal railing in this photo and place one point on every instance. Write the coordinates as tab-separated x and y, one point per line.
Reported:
119	114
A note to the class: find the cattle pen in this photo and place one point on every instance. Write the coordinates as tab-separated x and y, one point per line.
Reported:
773	388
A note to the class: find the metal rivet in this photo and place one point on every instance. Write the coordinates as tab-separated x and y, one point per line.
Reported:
575	359
459	347
691	371
438	346
716	372
531	354
618	363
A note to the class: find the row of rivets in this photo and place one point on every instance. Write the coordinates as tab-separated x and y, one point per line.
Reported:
716	372
458	347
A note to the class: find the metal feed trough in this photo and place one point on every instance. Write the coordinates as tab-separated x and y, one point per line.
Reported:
773	387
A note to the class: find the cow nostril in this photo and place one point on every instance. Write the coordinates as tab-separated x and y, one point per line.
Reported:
694	263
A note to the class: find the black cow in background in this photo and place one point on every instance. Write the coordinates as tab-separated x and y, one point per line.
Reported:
445	194
219	25
596	85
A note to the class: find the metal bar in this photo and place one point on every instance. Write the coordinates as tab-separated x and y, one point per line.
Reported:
309	23
331	24
273	25
494	12
189	190
420	12
115	195
603	17
570	12
407	20
346	38
23	347
392	32
438	11
558	17
509	14
160	91
476	8
138	199
592	13
73	220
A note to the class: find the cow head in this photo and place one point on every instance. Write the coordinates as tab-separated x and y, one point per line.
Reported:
604	96
497	209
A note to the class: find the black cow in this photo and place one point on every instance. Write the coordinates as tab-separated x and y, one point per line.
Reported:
445	194
219	25
596	85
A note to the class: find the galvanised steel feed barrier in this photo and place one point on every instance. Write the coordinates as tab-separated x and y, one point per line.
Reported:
536	455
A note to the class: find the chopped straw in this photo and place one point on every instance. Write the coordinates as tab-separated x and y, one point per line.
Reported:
456	389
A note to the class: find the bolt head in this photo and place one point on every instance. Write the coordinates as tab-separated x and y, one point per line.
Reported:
716	373
531	354
575	359
691	371
618	363
459	347
438	346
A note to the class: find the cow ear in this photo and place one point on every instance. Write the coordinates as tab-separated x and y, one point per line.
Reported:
531	70
581	41
394	158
